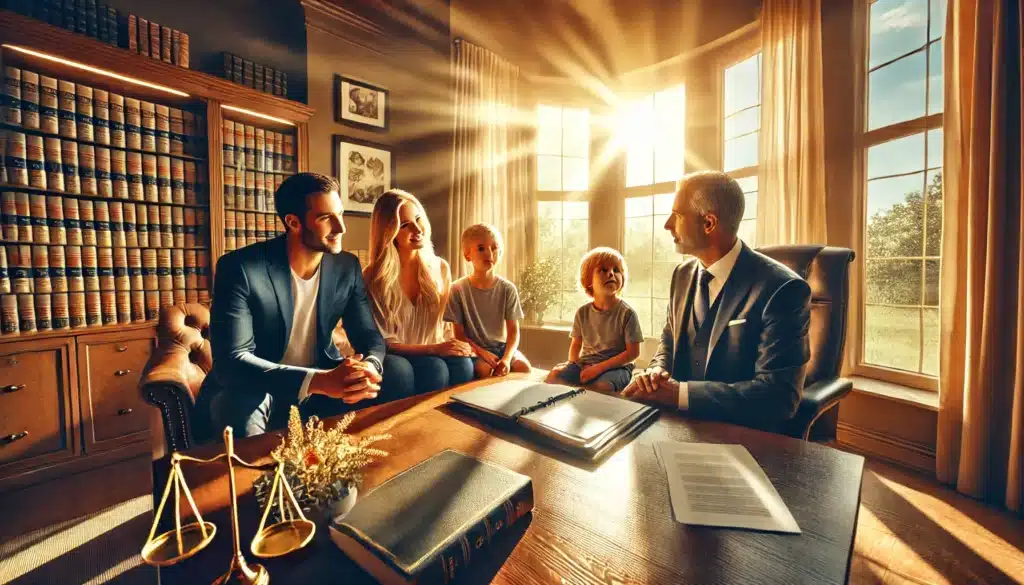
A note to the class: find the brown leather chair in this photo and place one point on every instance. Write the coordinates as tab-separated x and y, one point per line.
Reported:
827	270
177	369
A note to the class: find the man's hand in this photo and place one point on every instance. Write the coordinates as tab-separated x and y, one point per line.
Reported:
455	348
589	374
503	366
352	380
649	381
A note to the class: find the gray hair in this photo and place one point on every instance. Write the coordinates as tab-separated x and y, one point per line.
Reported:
714	192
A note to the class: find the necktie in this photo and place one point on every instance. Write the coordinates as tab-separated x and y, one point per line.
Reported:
702	304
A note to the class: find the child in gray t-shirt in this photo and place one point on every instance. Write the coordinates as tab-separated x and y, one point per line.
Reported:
485	308
606	333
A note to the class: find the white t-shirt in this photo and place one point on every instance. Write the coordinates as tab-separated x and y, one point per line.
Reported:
301	349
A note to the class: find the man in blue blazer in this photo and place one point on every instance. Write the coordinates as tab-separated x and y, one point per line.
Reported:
735	342
275	306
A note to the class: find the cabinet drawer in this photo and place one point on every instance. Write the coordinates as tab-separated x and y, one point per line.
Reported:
35	415
110	372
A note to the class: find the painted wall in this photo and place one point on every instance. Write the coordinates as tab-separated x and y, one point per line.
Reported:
270	32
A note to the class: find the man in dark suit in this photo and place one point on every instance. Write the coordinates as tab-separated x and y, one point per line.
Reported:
734	346
275	306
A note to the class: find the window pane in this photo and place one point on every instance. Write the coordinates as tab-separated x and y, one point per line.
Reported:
664	247
639	164
668	158
576	210
750	205
741	152
896	92
896	157
931	283
930	362
935	148
574	174
640	279
895	216
938	23
659	309
575	132
897	27
743	85
663	205
892	337
894	282
748	184
748	232
639	240
639	207
933	233
935	78
669	133
549	173
743	122
663	280
549	130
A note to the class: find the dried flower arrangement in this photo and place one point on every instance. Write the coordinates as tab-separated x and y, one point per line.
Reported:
320	464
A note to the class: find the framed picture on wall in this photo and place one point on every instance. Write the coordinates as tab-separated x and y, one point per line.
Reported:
365	170
360	104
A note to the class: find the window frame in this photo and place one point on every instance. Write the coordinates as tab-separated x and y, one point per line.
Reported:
741	51
866	139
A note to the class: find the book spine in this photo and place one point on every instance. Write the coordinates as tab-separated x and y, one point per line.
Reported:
143	36
113	29
462	551
154	40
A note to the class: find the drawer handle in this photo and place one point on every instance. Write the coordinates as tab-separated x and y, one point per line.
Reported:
121	348
122	372
13	361
124	411
13	388
15	437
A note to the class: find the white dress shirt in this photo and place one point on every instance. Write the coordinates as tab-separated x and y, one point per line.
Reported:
301	349
720	270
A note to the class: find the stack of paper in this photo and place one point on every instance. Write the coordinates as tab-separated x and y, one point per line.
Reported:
721	485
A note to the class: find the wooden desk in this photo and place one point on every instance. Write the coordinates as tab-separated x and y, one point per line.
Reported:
607	523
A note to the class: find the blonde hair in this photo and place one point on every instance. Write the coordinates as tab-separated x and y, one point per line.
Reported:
594	258
383	269
476	232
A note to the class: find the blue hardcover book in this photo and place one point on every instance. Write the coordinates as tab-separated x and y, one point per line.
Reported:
428	523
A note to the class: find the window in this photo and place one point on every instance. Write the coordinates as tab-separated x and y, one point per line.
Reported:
651	256
654	132
903	191
563	168
741	125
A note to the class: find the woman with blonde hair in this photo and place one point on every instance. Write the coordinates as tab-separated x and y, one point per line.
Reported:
408	287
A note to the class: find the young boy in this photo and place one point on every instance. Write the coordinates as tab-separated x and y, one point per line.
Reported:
606	333
485	307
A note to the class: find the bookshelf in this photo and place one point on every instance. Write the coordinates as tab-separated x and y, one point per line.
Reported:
97	253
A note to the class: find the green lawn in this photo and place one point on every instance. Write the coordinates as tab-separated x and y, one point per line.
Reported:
893	338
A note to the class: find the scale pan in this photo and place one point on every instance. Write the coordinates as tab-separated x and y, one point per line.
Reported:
163	550
282	538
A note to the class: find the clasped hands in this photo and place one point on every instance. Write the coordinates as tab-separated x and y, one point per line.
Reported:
352	380
500	366
653	385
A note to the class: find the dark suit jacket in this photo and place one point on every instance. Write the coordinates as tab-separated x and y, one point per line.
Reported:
755	368
252	312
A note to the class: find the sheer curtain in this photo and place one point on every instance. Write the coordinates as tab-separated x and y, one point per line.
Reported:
791	177
490	169
980	445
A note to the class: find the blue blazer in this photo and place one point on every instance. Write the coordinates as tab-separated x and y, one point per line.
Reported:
252	312
759	348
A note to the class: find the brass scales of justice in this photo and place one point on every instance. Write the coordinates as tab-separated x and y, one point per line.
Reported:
292	532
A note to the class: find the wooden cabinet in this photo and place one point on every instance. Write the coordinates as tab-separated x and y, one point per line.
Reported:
71	402
36	409
109	369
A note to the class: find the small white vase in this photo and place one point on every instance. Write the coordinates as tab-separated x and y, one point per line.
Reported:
339	508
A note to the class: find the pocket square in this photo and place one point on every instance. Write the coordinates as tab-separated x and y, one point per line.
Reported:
736	322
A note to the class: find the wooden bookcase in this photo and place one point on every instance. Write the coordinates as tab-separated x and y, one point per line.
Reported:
69	399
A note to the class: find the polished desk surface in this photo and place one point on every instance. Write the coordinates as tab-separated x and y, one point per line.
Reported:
609	522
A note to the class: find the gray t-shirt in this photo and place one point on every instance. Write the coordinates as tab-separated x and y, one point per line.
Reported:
482	312
605	333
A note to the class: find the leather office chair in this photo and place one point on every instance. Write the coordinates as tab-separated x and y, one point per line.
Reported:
177	368
827	270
